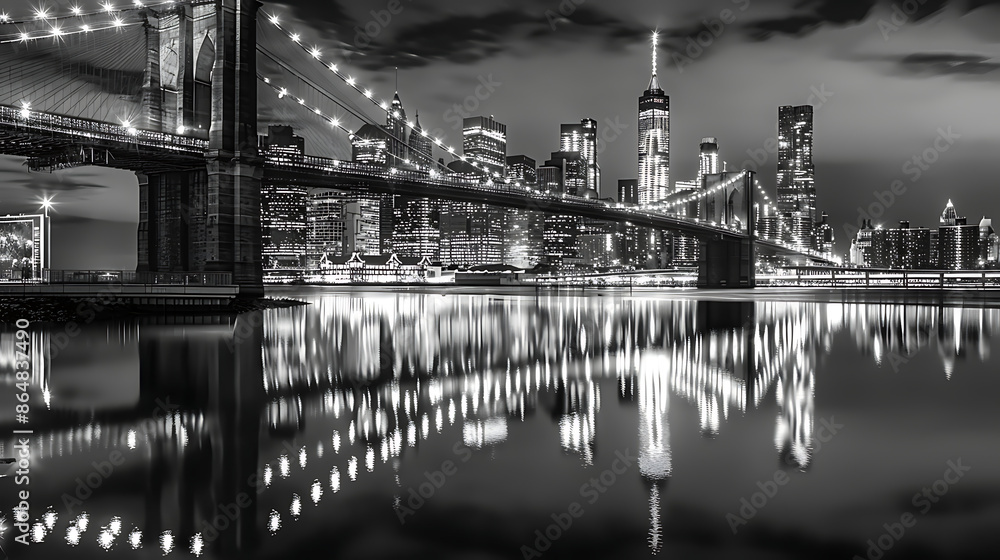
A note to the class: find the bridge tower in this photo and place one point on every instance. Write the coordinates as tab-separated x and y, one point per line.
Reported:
726	261
201	80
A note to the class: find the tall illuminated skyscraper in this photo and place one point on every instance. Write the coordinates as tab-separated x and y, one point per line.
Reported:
283	205
796	187
654	141
583	138
395	125
484	140
708	159
420	146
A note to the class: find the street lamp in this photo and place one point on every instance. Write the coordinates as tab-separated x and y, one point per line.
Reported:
46	205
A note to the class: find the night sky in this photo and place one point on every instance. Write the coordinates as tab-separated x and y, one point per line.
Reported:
886	81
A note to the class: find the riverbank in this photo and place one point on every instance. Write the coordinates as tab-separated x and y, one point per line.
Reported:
946	297
47	309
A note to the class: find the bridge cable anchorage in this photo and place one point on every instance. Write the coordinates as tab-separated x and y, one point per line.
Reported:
76	12
316	54
333	121
360	116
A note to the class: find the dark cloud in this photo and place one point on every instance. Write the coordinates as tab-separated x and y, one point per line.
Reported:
470	38
815	14
810	15
948	64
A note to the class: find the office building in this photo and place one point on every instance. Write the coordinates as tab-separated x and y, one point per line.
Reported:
628	191
823	236
685	247
416	227
395	126
582	138
902	247
421	147
484	140
654	141
796	187
283	205
523	229
471	235
708	160
522	169
958	241
370	144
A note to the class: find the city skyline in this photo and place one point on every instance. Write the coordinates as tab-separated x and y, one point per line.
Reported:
845	160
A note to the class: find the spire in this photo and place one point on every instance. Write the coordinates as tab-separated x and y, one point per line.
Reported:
654	84
416	122
397	79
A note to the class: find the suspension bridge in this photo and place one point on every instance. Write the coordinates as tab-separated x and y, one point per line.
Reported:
169	90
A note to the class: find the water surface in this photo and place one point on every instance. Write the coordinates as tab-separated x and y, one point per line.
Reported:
379	424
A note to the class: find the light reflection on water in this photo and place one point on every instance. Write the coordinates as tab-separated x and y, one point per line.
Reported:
492	384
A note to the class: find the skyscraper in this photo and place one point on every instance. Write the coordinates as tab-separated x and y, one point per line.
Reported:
416	227
283	205
485	141
628	191
472	234
420	146
523	229
958	241
370	144
654	141
708	159
522	169
395	125
582	138
796	187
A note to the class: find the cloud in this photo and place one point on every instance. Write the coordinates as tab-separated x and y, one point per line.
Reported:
809	15
948	64
467	38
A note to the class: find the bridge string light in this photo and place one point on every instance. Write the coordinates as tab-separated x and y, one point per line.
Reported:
56	31
358	114
331	120
77	11
316	54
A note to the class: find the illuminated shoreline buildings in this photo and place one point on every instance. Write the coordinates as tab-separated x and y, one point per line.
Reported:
473	234
283	205
796	186
654	141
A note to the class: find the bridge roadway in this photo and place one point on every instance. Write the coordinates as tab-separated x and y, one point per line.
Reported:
53	141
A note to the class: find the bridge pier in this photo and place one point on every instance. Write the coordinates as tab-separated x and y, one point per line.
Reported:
726	263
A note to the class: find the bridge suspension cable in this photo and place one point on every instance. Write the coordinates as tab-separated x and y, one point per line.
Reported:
42	14
59	32
357	114
333	121
352	82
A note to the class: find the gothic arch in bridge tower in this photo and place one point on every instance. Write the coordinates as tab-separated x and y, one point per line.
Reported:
204	64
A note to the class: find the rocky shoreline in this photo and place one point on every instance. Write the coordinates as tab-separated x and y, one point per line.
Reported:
41	309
